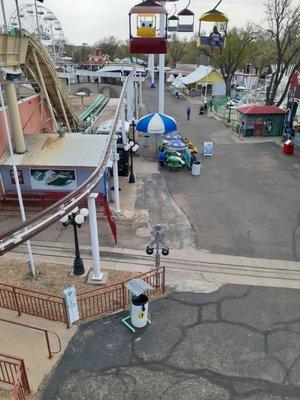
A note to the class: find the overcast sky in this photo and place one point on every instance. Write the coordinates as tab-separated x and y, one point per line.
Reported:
90	20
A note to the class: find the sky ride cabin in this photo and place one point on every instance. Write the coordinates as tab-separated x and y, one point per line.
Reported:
148	28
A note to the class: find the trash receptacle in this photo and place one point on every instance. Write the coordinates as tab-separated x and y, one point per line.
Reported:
288	147
196	168
139	311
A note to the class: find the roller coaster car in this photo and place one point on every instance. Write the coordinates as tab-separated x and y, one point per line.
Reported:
147	41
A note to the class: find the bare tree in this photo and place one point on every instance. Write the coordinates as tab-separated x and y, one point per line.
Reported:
176	49
284	29
109	45
237	51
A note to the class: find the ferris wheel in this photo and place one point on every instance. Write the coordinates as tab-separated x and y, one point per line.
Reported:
44	24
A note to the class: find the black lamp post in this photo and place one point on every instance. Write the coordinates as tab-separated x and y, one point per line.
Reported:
230	104
133	147
158	243
76	219
133	125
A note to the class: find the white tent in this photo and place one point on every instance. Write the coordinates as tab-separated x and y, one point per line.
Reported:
177	79
201	72
179	84
171	78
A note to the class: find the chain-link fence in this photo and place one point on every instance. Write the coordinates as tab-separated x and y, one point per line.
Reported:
221	111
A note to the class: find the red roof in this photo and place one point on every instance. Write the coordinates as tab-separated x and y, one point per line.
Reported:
257	109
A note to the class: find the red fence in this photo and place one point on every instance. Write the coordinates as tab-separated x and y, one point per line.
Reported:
92	303
13	372
33	303
38	202
116	297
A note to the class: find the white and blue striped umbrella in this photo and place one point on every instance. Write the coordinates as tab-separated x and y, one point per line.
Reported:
156	123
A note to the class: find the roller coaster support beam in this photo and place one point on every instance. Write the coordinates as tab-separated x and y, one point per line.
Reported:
130	99
97	274
63	109
161	84
16	177
122	115
115	159
151	70
14	116
44	89
4	16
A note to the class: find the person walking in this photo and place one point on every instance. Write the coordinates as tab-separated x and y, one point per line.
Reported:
211	103
188	113
205	108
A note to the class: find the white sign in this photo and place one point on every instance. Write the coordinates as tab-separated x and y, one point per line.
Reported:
208	148
71	303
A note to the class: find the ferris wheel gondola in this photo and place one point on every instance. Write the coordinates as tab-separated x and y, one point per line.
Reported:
49	29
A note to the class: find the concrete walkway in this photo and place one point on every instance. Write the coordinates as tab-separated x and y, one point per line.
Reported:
238	343
31	345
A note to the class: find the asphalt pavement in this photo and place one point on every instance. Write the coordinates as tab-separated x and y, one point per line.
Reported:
246	202
238	343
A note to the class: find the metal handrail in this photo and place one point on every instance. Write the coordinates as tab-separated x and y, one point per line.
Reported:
46	332
31	291
32	227
21	374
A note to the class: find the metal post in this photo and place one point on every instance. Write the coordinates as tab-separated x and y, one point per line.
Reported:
14	116
116	178
37	21
131	176
141	92
97	274
4	16
122	114
229	113
136	98
206	85
161	84
151	70
130	99
48	344
157	256
78	263
16	300
16	177
18	14
44	90
133	129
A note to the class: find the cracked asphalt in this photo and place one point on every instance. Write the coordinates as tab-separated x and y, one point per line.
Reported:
246	202
238	343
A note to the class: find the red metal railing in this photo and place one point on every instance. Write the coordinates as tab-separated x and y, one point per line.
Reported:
33	303
116	297
99	301
13	372
109	216
36	328
34	202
